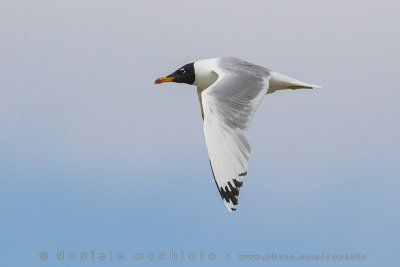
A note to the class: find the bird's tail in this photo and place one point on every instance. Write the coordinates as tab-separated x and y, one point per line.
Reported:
280	82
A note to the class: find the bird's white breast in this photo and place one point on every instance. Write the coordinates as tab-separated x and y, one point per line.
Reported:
205	72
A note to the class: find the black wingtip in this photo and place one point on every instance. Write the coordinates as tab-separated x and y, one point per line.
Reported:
230	193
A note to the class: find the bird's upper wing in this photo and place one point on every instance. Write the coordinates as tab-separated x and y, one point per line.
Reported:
228	106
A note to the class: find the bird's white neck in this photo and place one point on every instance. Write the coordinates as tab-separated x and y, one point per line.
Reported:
205	74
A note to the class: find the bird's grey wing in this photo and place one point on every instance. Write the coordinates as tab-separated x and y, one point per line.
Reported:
228	106
199	91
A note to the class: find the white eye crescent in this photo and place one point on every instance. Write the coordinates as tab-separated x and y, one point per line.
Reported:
182	71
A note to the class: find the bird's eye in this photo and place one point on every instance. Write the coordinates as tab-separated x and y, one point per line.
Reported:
182	71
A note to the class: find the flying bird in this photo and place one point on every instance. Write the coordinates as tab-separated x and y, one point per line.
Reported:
229	92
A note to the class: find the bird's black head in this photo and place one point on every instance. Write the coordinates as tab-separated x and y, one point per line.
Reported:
184	74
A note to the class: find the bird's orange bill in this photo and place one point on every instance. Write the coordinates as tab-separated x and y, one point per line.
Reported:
164	80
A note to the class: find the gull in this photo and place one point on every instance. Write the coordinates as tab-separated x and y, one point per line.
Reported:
229	92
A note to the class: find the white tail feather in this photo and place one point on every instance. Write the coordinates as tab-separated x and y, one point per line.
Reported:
280	82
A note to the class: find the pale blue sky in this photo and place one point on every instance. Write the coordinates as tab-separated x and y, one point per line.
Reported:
93	156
